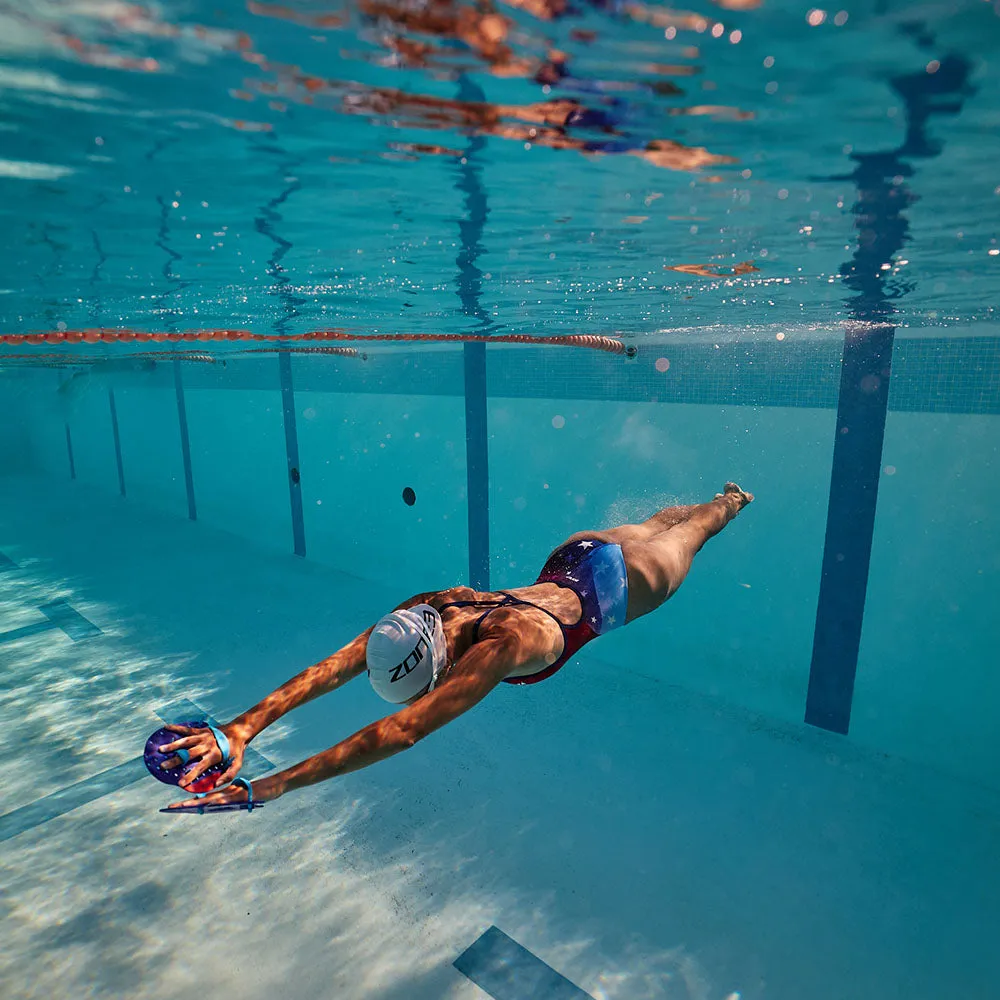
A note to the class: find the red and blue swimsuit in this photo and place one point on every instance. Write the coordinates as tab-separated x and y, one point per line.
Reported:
595	572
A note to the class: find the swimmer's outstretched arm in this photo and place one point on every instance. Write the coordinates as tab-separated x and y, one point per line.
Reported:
318	679
321	678
473	677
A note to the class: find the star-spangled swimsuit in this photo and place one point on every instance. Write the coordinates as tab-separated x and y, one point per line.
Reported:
595	572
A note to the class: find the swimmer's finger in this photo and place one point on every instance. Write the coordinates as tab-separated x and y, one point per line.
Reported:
186	743
176	727
234	768
208	758
195	773
169	765
220	796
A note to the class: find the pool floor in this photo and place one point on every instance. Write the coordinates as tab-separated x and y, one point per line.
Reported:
643	841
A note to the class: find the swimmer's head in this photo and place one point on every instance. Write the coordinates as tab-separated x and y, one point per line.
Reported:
406	653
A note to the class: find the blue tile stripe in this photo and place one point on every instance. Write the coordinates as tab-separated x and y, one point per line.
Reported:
118	441
6	563
69	620
182	421
59	615
850	526
69	453
505	970
477	463
292	452
25	631
114	779
56	804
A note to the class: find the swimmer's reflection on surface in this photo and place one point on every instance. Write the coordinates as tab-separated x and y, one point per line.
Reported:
542	123
481	29
433	35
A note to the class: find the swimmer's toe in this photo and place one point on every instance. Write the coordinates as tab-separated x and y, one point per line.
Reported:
733	488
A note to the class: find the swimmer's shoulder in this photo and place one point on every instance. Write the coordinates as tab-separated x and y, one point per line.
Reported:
453	595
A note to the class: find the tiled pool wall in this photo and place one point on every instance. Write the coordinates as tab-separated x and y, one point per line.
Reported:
579	439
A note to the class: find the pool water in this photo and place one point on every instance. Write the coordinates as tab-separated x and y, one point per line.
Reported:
769	232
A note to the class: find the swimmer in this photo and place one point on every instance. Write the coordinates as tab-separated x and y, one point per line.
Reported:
440	653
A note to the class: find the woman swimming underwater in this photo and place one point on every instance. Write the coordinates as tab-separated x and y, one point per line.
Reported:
440	653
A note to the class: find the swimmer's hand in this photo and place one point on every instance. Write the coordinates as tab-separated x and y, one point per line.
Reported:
202	747
264	790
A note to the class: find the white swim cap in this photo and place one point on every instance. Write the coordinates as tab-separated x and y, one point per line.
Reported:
406	652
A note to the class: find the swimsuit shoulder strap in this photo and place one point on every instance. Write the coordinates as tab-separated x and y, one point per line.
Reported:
562	625
508	601
472	604
488	605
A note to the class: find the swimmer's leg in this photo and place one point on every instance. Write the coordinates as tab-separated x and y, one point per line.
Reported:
658	565
653	525
665	519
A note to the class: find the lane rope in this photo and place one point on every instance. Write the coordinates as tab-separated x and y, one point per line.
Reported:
101	335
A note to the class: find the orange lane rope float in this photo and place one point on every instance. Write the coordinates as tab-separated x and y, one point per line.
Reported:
100	335
69	360
75	360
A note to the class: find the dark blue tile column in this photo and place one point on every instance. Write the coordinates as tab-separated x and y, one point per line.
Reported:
850	525
292	451
882	196
69	453
118	442
182	422
477	464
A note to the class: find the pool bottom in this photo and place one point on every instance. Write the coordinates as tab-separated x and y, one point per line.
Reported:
640	840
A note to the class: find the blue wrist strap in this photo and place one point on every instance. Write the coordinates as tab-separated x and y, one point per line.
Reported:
246	784
220	738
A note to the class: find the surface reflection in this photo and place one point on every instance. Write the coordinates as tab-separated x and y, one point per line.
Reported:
598	124
438	35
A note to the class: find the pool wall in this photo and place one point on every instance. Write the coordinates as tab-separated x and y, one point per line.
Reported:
742	628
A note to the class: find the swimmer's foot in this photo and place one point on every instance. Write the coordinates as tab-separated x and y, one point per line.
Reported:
741	496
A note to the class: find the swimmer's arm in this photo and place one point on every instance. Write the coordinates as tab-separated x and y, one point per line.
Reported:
476	674
312	682
319	679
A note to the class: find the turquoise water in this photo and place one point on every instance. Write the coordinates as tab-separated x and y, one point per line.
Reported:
782	220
